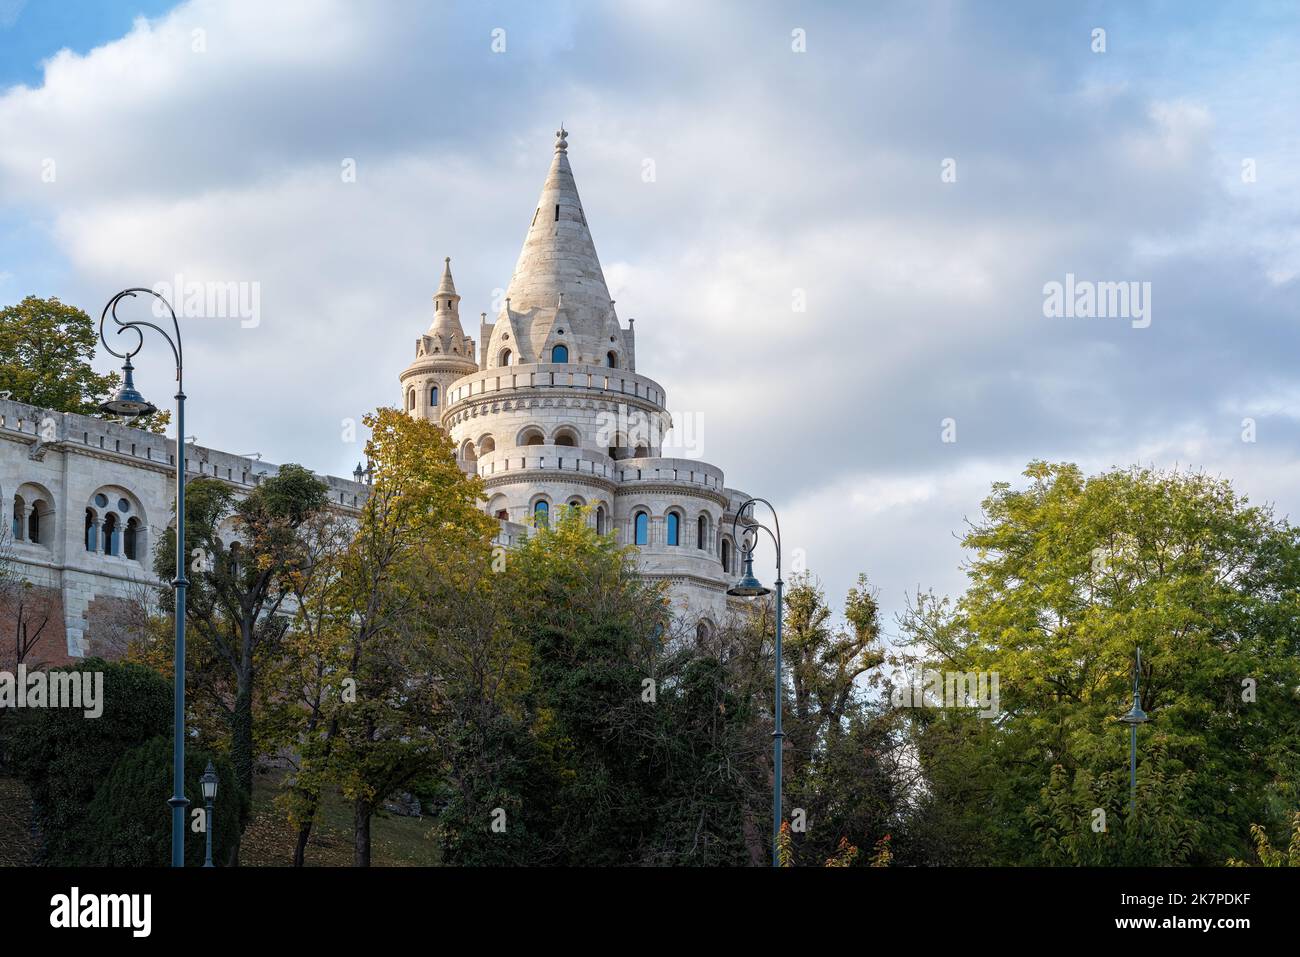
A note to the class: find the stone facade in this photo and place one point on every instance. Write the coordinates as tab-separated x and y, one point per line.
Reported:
552	412
85	502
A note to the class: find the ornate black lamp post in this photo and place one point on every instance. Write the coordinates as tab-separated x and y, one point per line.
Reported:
1133	718
129	402
209	783
750	587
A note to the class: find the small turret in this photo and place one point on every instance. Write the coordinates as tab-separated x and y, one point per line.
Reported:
446	330
442	355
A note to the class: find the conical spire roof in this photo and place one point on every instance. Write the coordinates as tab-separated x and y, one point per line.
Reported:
446	326
447	287
558	255
557	294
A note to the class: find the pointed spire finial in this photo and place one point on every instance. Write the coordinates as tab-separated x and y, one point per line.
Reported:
561	140
447	287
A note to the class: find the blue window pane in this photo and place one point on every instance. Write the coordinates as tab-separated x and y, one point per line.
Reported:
541	513
672	528
642	528
560	354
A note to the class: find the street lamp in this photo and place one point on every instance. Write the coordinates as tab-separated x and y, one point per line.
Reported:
1133	718
129	402
750	587
209	782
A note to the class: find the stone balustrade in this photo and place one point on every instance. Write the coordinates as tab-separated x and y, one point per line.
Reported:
556	458
503	380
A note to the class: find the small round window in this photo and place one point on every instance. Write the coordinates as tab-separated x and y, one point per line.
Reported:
123	505
101	500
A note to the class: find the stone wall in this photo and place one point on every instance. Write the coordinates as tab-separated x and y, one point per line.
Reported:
75	470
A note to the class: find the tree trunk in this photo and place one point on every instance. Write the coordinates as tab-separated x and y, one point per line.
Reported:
361	814
300	845
241	745
313	801
753	842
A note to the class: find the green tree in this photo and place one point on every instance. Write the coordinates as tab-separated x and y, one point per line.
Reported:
593	627
1067	576
247	558
712	799
841	751
45	352
365	725
1270	856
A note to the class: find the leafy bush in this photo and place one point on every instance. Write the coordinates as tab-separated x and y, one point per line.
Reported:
63	756
130	821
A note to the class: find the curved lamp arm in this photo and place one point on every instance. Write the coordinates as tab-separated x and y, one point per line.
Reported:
755	524
135	325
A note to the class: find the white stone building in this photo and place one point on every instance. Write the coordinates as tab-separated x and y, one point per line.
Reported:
85	501
549	409
551	413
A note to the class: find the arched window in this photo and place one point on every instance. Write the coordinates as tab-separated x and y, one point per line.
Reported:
34	524
542	514
726	555
92	531
486	444
410	401
534	438
505	358
702	533
130	538
641	524
110	534
702	632
566	438
600	520
611	360
20	511
433	395
674	529
503	514
560	353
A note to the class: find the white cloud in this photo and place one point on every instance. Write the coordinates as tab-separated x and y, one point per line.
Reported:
776	172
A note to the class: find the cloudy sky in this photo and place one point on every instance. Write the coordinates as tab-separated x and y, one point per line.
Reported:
844	243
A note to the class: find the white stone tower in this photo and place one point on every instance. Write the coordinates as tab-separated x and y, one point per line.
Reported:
554	414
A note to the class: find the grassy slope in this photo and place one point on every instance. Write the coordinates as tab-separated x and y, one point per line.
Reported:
268	840
395	841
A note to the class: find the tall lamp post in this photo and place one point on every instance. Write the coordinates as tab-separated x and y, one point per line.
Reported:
209	784
750	587
1133	718
129	402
